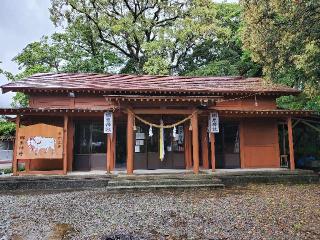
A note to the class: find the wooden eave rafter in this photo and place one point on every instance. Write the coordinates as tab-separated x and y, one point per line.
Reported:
141	91
14	111
273	113
245	113
145	98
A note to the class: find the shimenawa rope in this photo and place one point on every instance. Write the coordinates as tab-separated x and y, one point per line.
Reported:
162	126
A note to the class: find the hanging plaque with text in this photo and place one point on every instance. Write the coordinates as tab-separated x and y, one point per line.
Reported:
214	122
108	122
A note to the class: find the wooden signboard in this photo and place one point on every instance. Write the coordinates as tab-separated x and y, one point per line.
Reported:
40	141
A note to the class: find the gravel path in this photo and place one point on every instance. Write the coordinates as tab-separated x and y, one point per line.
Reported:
253	212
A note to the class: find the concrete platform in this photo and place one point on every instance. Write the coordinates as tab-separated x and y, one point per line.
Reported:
158	179
181	171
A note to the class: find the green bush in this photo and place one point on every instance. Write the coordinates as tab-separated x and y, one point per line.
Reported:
7	128
6	170
9	170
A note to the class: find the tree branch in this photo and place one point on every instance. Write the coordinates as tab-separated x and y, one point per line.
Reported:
100	32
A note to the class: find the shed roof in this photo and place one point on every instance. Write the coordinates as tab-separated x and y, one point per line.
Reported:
89	82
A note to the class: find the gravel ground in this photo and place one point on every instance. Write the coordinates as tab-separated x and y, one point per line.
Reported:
252	212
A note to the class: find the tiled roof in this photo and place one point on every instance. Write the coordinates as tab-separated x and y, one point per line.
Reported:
144	83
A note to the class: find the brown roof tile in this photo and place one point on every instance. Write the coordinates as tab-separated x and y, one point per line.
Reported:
143	83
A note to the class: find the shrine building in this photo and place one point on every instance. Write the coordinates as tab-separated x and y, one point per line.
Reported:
86	121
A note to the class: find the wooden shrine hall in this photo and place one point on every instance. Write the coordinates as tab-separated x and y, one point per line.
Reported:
84	122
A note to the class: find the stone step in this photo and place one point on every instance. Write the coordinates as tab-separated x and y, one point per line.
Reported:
164	186
164	176
148	182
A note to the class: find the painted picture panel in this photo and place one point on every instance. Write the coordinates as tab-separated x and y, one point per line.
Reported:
40	141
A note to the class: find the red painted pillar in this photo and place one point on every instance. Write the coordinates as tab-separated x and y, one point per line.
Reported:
15	150
109	152
213	151
187	147
195	143
291	149
130	145
65	143
204	146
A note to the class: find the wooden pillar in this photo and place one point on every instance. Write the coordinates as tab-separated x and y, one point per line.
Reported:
130	145
65	143
109	152
187	147
291	149
204	146
70	143
27	165
276	144
195	143
242	144
113	147
111	138
15	150
213	151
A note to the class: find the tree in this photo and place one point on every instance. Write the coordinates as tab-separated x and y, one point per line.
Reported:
284	37
153	36
222	55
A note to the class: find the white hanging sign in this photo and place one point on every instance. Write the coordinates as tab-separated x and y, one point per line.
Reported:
108	122
214	122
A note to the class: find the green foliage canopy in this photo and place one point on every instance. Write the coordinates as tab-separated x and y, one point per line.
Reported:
153	36
223	54
284	37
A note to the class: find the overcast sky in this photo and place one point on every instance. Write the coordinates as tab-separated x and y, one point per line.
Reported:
22	22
